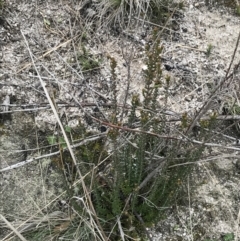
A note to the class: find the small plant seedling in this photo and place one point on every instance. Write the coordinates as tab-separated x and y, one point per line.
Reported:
53	140
228	237
62	142
87	61
209	50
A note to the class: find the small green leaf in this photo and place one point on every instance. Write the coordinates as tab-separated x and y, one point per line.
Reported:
51	140
68	129
62	142
228	237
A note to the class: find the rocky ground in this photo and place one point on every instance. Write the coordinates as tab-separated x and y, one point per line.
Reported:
199	43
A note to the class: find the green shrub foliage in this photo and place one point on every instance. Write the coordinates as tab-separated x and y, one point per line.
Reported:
139	183
146	171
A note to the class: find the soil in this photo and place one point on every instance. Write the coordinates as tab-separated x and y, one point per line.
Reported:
199	43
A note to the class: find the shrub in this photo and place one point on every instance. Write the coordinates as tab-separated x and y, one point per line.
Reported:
144	174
